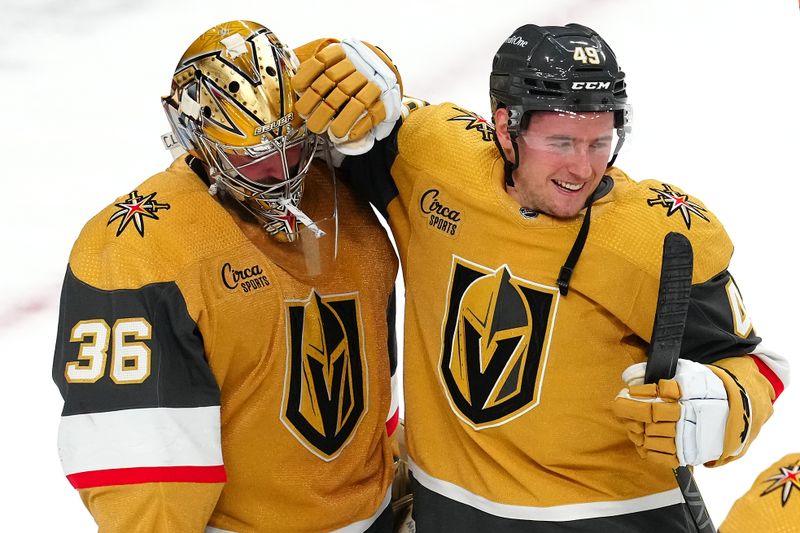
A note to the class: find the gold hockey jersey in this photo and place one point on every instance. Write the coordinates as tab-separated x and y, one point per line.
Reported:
206	386
509	383
771	504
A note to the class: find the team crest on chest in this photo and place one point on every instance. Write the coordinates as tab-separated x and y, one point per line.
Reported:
325	388
677	202
495	341
785	481
474	122
135	209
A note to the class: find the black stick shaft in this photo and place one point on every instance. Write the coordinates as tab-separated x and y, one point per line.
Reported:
674	290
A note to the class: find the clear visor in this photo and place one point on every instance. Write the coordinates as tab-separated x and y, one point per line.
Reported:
586	134
312	252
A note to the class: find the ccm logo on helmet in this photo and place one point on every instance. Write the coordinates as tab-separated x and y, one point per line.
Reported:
590	85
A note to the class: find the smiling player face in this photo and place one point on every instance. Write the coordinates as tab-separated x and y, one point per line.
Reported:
562	158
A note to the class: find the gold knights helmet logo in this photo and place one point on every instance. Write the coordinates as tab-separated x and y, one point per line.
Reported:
495	342
325	390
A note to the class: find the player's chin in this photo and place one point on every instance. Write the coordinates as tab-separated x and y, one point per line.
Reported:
567	208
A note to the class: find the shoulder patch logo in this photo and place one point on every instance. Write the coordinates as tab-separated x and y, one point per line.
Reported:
785	481
325	388
675	201
475	122
135	209
495	342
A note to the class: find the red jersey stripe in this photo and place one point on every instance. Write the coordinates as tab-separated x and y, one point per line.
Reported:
391	424
151	474
771	376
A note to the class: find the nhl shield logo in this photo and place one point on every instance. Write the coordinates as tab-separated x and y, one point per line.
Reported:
325	389
495	340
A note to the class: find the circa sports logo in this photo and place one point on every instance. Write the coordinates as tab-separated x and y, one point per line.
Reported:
495	343
440	216
248	279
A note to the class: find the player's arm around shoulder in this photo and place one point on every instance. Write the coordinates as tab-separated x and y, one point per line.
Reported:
350	90
139	436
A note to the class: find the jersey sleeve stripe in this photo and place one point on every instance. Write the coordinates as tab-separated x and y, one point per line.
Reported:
391	424
159	474
772	377
394	407
140	438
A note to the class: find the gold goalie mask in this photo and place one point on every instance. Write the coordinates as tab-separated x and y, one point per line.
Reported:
231	105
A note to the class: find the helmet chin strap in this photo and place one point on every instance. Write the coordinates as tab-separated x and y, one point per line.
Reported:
508	166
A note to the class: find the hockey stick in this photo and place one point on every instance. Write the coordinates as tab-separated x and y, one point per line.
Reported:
674	289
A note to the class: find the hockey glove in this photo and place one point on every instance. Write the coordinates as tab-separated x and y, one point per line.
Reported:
680	421
353	91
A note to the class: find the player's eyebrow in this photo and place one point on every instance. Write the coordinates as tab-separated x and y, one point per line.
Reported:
571	138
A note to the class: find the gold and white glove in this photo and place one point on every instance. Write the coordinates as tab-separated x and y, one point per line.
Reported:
680	421
352	90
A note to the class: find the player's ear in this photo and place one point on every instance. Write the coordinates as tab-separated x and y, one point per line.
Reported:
501	130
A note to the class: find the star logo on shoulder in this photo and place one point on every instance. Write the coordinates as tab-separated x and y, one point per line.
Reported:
676	202
475	122
135	209
788	479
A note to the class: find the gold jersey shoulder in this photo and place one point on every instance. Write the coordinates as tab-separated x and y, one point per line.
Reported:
447	138
149	235
634	218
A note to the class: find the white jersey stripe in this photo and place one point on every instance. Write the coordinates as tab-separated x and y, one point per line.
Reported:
557	513
395	403
363	525
776	362
140	438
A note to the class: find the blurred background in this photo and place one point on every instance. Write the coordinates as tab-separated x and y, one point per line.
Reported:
713	86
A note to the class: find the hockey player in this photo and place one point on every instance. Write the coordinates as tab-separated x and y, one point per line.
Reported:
521	318
772	504
225	344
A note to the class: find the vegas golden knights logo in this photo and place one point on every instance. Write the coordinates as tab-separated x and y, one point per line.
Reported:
496	335
325	390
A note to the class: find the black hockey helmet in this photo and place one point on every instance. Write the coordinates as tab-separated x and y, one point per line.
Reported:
556	68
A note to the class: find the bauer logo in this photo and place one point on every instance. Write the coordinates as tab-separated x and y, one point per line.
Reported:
266	128
440	214
246	280
517	41
325	387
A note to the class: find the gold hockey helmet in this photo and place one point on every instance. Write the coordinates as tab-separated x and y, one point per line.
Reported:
230	105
